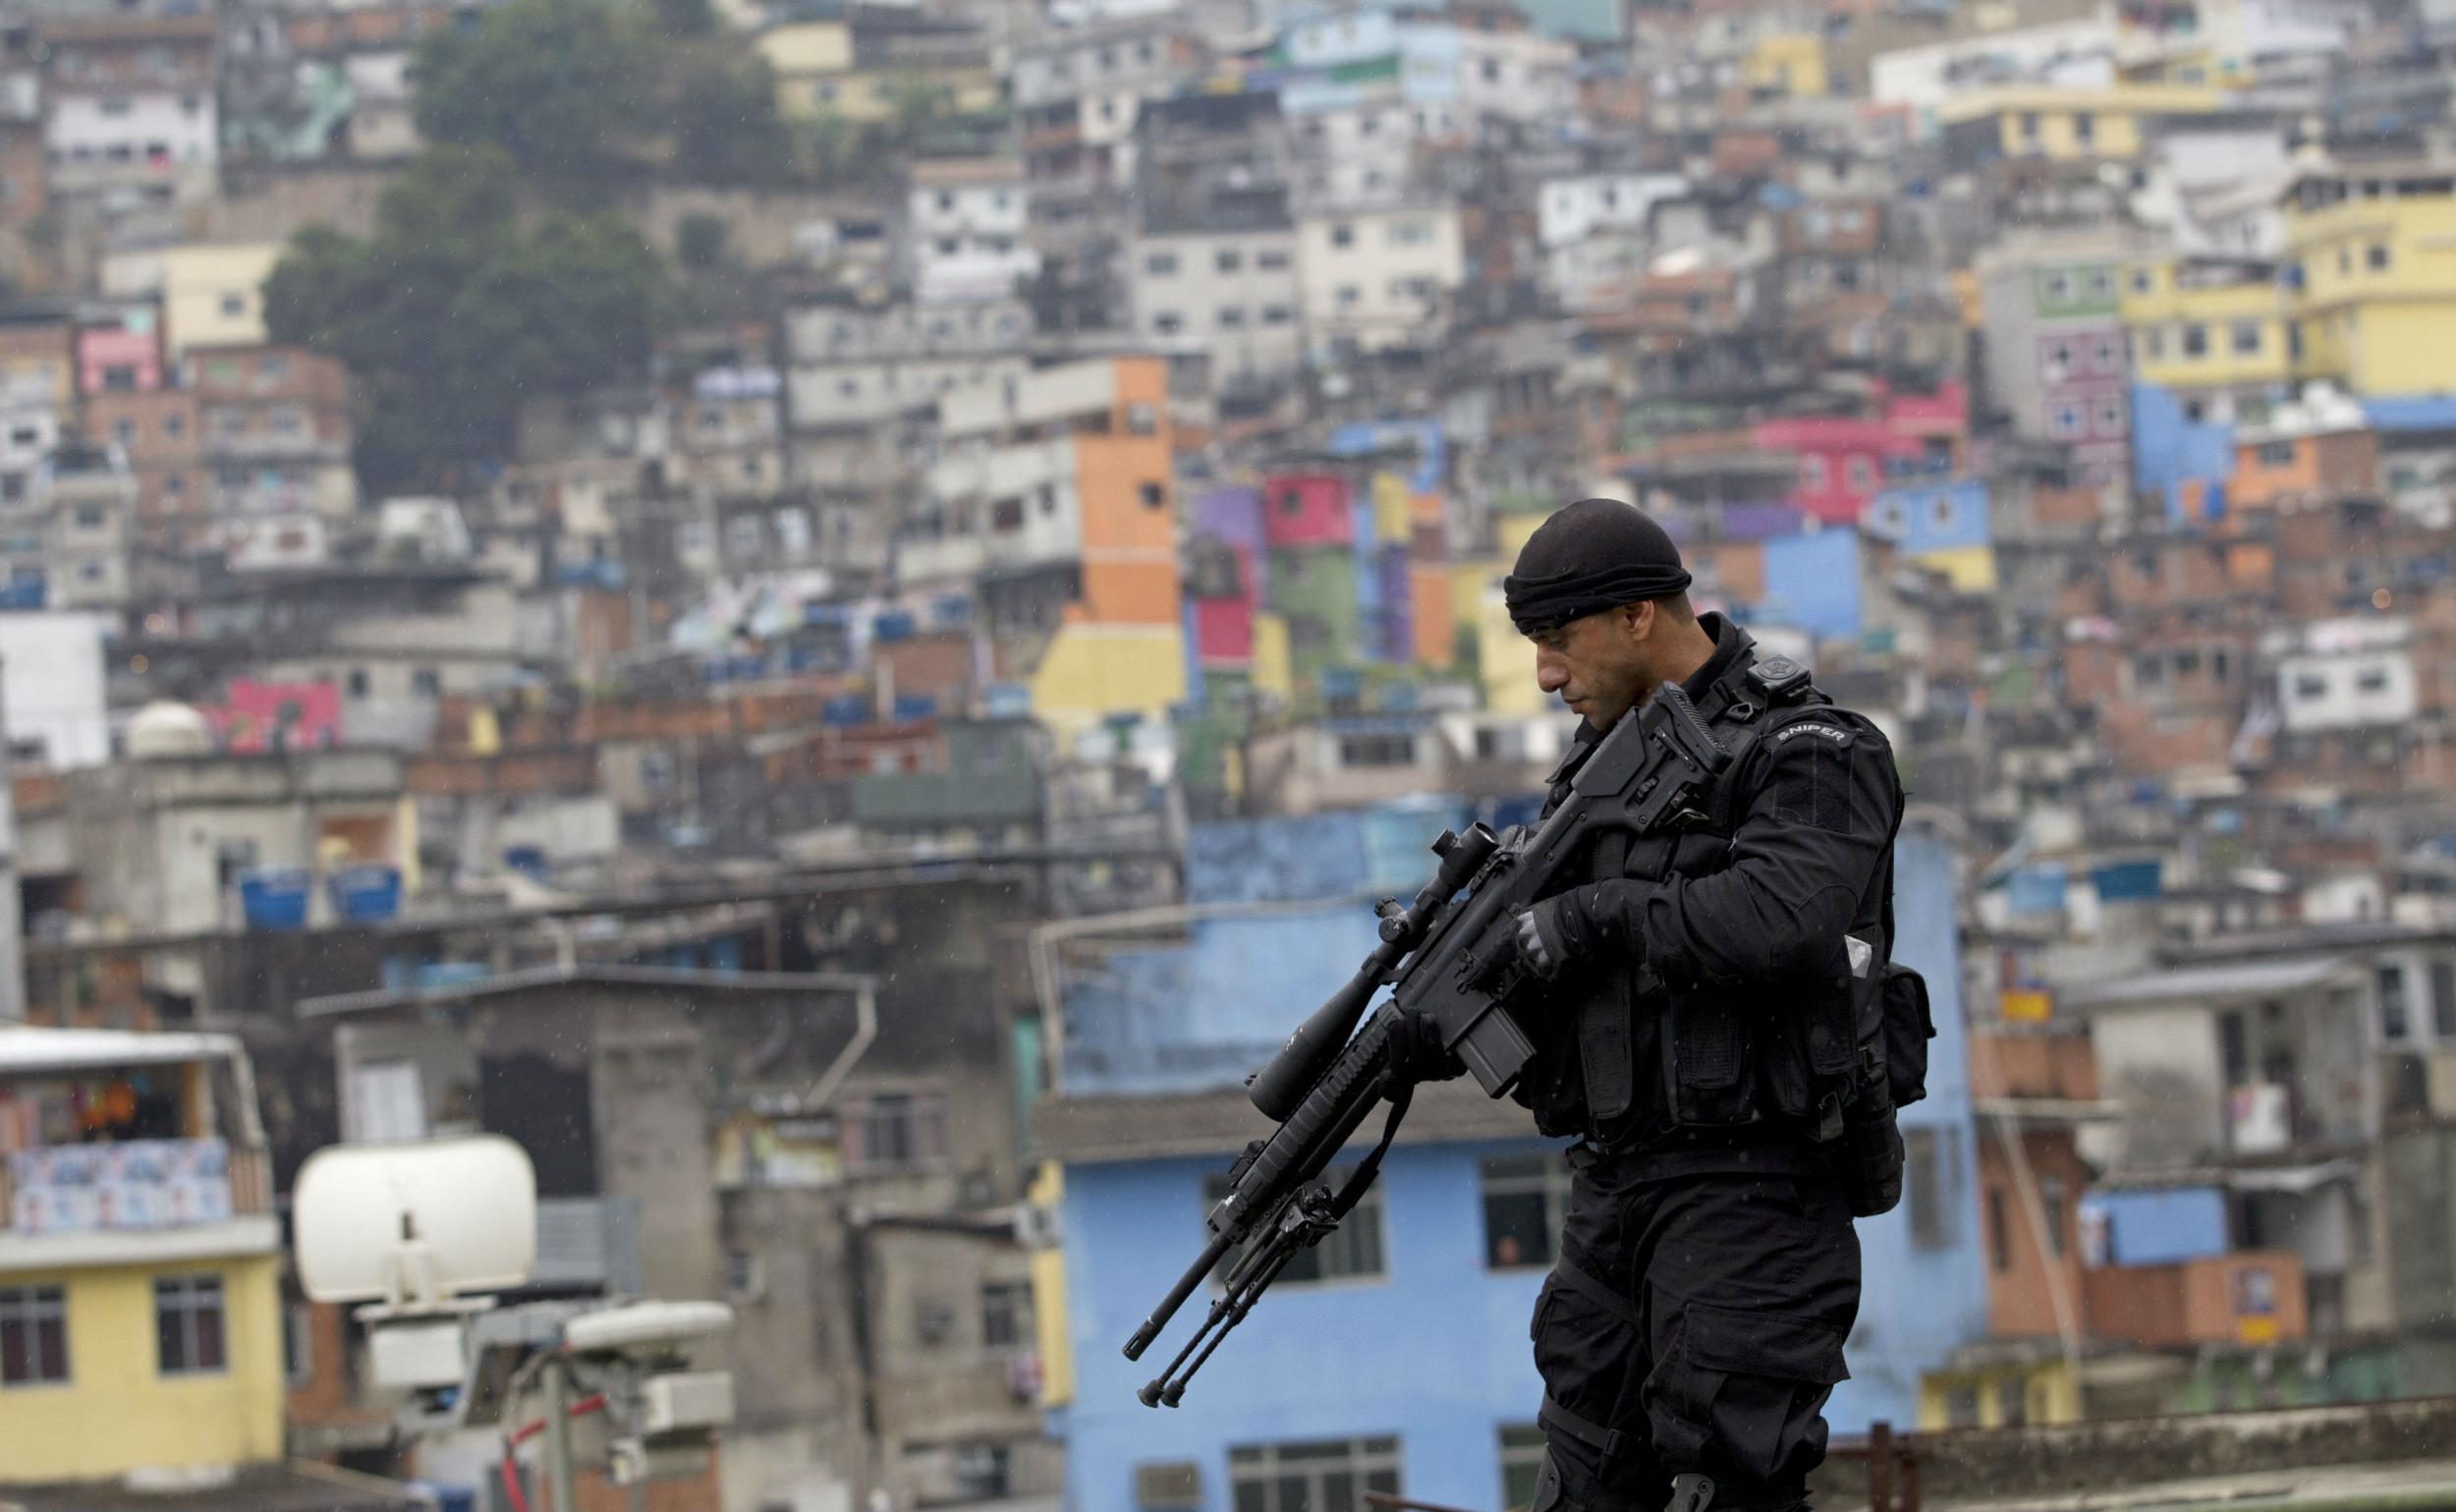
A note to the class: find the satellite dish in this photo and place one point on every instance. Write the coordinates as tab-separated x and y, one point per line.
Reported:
411	1226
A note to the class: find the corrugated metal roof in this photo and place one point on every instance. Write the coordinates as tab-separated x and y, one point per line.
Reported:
2226	982
26	1047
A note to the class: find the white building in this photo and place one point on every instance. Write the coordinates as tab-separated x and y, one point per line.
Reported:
2346	674
1516	76
98	141
1373	279
51	684
2075	54
853	368
1230	294
964	223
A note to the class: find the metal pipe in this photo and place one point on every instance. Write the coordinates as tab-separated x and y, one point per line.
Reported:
561	1497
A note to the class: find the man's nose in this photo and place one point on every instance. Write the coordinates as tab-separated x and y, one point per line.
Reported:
1551	675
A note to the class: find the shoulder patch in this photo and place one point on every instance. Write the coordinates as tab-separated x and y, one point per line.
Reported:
1819	729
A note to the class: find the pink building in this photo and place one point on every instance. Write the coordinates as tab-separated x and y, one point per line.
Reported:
1306	509
114	359
1841	462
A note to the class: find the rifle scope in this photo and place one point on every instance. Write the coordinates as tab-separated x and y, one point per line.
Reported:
1279	1086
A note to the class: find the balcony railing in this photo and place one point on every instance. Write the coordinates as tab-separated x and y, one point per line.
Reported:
130	1186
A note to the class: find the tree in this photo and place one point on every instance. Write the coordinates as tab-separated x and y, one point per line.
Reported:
556	84
449	316
700	242
726	130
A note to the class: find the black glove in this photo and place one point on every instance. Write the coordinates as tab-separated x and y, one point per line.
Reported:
1544	946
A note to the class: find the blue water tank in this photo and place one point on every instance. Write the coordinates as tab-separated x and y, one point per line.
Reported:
274	897
363	894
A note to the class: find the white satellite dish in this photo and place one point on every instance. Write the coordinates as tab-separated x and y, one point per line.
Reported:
413	1225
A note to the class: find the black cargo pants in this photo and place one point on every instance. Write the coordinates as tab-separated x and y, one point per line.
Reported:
1692	1323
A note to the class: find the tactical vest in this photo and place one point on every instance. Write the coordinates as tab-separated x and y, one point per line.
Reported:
1807	1057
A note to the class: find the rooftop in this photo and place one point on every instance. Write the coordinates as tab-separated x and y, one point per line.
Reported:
31	1050
297	1488
2230	981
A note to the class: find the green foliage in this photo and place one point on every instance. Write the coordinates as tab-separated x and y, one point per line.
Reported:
450	316
700	242
726	130
559	84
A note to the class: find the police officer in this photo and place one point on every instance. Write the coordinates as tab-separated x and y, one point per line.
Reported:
1696	1015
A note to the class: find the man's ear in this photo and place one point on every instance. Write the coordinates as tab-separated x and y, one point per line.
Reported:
1637	620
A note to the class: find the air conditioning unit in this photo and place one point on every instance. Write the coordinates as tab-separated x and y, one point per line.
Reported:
685	1399
1168	1485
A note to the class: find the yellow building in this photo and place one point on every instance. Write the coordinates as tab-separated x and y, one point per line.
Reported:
2015	1389
214	296
824	72
2036	121
2215	332
140	1296
2375	246
1791	64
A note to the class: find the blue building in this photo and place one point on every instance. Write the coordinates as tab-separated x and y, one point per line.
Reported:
1400	1359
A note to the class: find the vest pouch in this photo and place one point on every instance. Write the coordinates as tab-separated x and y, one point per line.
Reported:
1707	1055
1871	1157
1908	1023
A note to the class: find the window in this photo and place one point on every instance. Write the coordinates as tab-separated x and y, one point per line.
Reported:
1160	264
1343	235
1812	472
2246	341
1151	495
2000	1232
1271	259
1961	1406
1352	1253
2372	680
1347	294
1167	322
2376	257
1524	1197
2110	417
2101	284
234	305
2084	127
2395	1017
2310	687
2052	1197
427	683
1231	317
2030	126
897	1129
1861	474
2012	1402
2443	1000
1278	314
1378	750
2141	280
1005	1315
1410	233
174	425
1228	260
357	683
33	1336
1325	1477
2196	341
298	1345
2276	454
1930	1185
1521	1460
88	517
187	1325
2068	423
2153	342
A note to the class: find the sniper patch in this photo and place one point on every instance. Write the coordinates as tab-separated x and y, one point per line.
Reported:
1830	733
1818	785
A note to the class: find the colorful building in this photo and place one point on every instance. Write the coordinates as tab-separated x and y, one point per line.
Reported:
141	1324
2215	331
213	295
2060	124
1056	501
1941	527
2372	250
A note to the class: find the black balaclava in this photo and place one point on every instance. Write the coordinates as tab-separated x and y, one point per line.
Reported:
1597	554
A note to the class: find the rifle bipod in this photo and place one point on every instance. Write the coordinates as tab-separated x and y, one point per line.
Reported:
1306	1219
